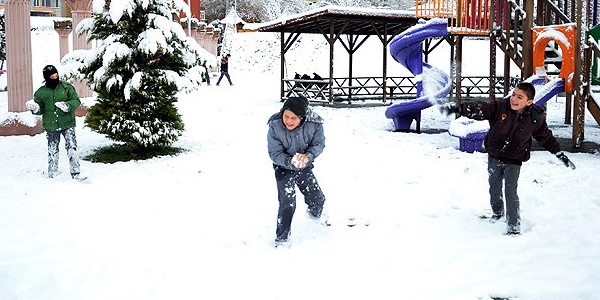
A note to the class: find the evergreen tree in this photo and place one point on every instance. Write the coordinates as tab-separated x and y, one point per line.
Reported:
2	39
142	59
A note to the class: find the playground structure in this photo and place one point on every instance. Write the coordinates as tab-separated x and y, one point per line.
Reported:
351	27
553	44
556	32
433	84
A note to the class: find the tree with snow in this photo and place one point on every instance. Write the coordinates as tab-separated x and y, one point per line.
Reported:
2	39
142	59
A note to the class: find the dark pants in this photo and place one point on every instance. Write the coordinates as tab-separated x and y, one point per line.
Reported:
71	147
207	77
286	194
226	74
497	172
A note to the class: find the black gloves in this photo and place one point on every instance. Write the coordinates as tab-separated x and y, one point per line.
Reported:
450	108
565	160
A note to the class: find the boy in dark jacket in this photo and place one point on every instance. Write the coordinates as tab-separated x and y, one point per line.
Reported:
295	138
513	123
56	101
225	69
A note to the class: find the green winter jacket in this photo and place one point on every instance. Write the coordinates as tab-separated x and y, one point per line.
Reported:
53	118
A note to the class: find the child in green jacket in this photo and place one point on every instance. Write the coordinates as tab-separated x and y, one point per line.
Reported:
56	102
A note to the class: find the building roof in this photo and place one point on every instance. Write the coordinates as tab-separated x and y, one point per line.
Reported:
233	18
345	20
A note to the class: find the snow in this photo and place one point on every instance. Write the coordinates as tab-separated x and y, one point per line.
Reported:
341	10
200	225
462	127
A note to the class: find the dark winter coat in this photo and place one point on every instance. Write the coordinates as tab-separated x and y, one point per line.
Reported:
510	135
53	118
224	65
308	138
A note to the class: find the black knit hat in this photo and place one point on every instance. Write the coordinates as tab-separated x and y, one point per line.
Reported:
297	105
49	70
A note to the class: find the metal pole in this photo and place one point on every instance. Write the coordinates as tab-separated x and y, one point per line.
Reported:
235	16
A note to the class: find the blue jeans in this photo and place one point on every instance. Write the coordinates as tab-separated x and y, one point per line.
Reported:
509	173
226	74
70	146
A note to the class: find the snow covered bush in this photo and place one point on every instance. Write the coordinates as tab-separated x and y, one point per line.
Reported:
141	60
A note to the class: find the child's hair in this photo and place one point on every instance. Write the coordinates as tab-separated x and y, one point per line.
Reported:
528	88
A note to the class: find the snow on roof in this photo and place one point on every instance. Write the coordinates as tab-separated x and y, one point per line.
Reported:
232	18
341	11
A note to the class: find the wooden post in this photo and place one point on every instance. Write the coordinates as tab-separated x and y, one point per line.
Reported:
282	64
331	40
492	52
528	40
458	68
579	103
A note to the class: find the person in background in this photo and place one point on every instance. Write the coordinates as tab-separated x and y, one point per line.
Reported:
56	102
513	124
295	139
206	73
225	69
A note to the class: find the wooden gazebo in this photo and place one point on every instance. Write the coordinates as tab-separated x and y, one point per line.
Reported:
357	24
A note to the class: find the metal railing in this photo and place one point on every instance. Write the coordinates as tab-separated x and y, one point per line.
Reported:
397	88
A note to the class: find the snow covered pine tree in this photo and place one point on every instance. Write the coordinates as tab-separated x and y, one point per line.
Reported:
142	59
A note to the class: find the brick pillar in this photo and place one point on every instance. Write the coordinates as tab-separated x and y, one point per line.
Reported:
18	66
18	54
80	9
63	28
80	42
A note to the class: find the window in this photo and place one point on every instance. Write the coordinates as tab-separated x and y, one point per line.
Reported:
50	3
45	3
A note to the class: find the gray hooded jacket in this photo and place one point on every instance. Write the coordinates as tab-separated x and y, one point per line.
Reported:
308	138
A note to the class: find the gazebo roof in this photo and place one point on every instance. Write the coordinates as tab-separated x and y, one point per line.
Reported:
345	20
232	17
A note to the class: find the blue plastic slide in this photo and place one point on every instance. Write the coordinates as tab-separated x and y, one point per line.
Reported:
433	85
545	90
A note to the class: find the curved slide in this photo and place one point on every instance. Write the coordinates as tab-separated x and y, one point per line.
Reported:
545	90
433	85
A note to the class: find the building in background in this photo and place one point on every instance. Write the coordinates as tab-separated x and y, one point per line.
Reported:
59	8
48	8
197	9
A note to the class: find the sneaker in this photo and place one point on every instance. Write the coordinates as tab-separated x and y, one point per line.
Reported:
512	233
495	218
323	219
281	242
312	215
78	176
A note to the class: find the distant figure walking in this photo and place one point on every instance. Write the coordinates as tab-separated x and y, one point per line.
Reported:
225	69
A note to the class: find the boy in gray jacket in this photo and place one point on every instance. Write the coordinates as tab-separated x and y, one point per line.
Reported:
295	138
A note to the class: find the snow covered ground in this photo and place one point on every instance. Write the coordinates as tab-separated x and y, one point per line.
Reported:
200	225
